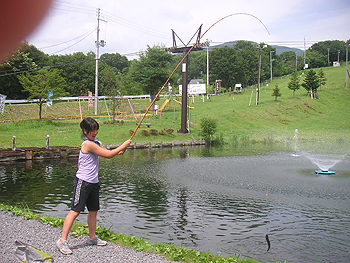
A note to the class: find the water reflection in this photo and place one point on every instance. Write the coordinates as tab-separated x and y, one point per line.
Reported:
209	199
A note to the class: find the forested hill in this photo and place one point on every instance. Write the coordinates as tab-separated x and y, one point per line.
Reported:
235	62
279	49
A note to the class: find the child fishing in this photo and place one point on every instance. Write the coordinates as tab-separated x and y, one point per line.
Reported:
86	184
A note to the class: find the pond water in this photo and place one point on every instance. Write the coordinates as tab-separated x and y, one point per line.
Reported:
221	200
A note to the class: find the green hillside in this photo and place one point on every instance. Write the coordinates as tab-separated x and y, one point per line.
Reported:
325	118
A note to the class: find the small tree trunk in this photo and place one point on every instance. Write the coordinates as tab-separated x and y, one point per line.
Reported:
40	107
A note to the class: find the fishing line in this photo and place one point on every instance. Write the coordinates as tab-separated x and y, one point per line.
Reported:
166	82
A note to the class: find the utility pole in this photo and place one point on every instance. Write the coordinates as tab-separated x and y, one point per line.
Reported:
304	53
271	62
328	57
184	50
346	66
338	55
98	44
259	67
208	64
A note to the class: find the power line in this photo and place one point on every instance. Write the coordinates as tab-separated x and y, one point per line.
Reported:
134	26
47	55
75	11
75	42
69	7
90	32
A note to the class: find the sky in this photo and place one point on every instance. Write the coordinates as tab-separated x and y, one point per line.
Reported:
128	27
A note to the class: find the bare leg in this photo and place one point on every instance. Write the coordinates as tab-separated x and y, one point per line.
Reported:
68	222
91	220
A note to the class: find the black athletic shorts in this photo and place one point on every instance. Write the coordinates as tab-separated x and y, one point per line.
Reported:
85	193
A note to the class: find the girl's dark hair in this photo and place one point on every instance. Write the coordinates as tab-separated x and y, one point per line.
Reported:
89	124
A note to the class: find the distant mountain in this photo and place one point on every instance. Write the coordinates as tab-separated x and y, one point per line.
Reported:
279	49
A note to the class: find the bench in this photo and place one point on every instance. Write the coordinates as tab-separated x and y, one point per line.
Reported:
146	124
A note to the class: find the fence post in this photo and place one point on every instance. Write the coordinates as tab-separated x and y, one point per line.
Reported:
29	154
13	143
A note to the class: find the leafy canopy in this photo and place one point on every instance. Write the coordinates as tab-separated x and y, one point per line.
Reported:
40	84
151	71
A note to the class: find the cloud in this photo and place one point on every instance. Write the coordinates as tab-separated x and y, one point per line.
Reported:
132	25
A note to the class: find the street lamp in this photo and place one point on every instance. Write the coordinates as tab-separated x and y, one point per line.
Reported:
271	62
259	68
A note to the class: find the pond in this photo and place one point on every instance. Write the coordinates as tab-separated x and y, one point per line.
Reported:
222	200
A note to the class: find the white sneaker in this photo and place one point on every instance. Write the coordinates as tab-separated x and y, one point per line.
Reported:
96	241
63	247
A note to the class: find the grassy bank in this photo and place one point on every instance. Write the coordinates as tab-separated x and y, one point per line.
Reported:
171	252
238	118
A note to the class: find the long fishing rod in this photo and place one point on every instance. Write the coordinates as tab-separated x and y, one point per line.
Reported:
188	52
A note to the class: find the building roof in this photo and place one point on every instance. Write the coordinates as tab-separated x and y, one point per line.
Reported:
196	81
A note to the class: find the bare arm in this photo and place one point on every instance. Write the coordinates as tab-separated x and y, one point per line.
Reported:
91	147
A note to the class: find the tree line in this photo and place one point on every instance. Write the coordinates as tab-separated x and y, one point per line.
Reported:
74	74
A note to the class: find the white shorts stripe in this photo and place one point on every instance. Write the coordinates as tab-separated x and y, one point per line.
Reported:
77	192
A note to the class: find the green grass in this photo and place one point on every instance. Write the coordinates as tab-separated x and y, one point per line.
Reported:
326	118
169	251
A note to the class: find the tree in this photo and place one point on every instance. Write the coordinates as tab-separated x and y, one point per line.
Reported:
294	83
286	63
198	65
116	61
39	85
227	64
316	59
79	71
248	54
110	85
18	62
208	128
311	83
321	77
333	46
276	92
39	57
151	71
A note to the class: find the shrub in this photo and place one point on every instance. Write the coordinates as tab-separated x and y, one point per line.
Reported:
169	131
153	132
208	129
219	139
144	132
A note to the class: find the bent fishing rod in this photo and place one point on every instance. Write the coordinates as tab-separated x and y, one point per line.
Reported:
188	52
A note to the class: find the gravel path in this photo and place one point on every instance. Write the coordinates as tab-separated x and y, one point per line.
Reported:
44	237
